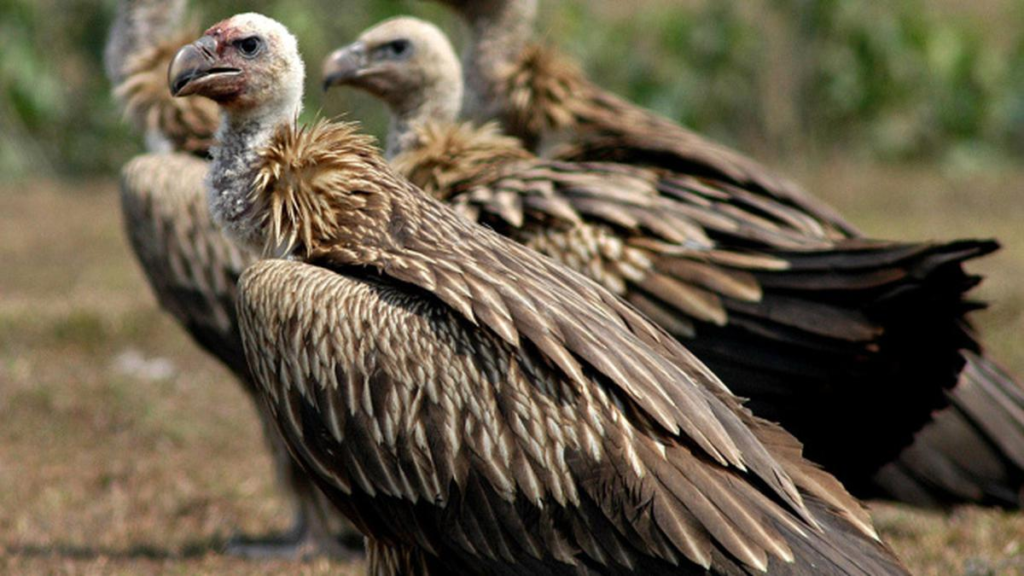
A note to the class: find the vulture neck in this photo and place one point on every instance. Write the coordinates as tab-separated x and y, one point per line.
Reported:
236	161
139	25
499	32
439	102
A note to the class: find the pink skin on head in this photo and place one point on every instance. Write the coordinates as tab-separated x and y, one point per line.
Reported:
249	64
215	52
222	32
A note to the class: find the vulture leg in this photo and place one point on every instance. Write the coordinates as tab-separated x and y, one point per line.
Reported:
316	529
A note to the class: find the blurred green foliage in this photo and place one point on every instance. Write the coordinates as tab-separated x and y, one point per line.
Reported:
907	83
900	79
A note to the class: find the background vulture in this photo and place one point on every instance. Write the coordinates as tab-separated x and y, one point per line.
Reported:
191	266
471	405
143	39
817	333
970	453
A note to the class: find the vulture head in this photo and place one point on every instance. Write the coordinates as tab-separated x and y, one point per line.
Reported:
251	66
404	61
247	63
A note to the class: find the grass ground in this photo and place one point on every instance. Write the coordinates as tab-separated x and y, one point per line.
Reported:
125	450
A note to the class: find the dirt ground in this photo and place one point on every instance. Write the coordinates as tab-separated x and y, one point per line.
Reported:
125	450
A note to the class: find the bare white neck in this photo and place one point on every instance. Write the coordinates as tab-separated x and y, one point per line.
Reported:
439	102
498	36
242	137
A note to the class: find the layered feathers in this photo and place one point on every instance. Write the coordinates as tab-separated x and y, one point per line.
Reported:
552	107
550	103
545	100
459	394
813	332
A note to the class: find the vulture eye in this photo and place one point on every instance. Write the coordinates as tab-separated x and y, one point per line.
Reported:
398	48
249	47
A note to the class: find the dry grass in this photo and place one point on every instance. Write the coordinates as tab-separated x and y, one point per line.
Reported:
109	466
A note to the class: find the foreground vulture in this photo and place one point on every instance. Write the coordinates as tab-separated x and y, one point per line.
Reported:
191	266
972	452
817	334
472	406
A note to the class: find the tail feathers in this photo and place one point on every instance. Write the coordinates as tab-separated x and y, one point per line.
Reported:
995	401
973	452
845	551
838	548
865	333
863	254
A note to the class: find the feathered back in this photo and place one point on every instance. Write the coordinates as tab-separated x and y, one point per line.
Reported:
540	93
550	104
667	406
326	192
188	124
190	264
443	153
489	178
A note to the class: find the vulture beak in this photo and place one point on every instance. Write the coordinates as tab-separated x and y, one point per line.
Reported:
196	69
344	65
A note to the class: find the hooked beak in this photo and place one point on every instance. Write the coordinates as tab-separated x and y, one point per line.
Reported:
344	65
196	69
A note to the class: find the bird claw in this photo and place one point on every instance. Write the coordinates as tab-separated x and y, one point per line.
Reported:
291	546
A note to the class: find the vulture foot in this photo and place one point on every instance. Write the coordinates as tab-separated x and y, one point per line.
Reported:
305	540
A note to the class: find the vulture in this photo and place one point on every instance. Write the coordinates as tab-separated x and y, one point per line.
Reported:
541	97
143	39
817	334
471	405
972	453
191	266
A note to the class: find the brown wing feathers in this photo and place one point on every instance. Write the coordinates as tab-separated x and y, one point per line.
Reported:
548	97
524	363
820	323
687	510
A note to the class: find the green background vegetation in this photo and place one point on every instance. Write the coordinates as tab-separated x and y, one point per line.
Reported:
897	80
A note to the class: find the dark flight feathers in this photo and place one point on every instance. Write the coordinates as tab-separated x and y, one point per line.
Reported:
815	331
